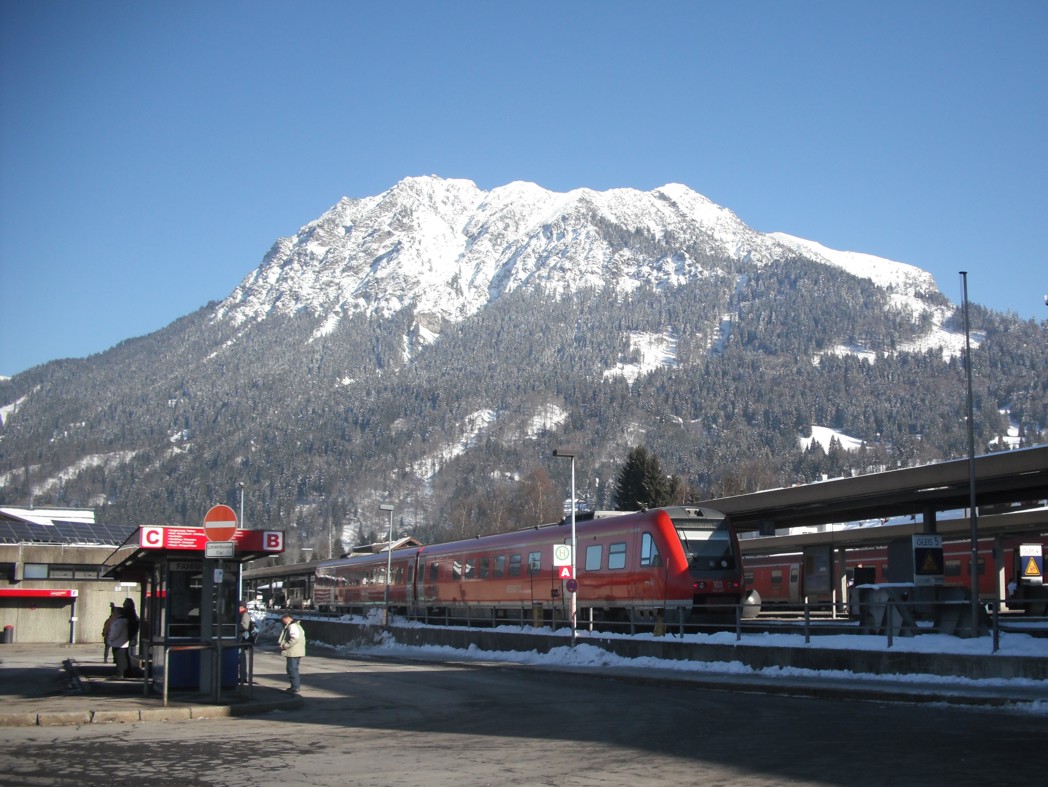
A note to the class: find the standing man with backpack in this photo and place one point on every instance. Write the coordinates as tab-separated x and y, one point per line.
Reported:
114	613
292	644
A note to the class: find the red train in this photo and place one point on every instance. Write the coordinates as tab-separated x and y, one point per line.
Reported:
663	564
786	579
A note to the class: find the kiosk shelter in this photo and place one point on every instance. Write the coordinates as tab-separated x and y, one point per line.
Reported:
190	587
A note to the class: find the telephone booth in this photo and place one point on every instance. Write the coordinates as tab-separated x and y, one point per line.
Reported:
188	638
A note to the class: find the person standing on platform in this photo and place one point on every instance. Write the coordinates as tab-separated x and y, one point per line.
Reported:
248	634
114	613
133	625
118	640
292	644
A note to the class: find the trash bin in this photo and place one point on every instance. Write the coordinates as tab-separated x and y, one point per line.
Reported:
8	636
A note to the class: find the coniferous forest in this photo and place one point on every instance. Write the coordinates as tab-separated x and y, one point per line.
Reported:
458	432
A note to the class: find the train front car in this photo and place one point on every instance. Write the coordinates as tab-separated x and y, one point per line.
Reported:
706	543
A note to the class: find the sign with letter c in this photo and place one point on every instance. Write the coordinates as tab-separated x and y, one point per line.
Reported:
151	538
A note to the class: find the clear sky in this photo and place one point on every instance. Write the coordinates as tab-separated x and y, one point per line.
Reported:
152	152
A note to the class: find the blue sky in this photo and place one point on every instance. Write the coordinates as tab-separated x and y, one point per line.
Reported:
151	153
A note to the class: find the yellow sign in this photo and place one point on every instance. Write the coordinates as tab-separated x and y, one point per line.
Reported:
930	565
1032	569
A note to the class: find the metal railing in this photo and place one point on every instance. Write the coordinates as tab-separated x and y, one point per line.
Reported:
891	617
217	647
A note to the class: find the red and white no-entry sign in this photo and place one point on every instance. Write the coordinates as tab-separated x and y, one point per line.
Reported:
220	523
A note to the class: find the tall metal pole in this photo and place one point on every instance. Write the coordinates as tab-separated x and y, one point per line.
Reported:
389	554
972	513
573	608
242	526
574	567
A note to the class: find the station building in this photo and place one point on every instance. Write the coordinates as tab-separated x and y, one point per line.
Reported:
51	585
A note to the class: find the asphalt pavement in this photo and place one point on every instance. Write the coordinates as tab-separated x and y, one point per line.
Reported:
45	685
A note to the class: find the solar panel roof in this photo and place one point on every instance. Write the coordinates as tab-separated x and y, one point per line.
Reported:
62	532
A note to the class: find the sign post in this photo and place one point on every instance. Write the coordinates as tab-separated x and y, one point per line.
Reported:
928	564
220	523
220	526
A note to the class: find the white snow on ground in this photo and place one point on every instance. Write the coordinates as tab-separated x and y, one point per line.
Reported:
108	461
469	433
950	343
8	410
823	434
1011	439
546	418
652	351
584	654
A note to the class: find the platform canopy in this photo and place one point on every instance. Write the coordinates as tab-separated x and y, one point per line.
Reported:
134	560
1004	478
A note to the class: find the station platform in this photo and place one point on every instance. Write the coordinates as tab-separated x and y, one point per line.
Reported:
47	685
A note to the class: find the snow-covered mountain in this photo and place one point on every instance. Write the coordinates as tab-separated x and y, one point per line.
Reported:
446	248
434	343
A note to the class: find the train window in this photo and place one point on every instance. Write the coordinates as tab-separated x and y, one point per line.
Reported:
470	564
953	568
776	576
456	569
708	547
514	565
594	555
484	567
980	567
434	572
649	553
617	556
534	563
500	566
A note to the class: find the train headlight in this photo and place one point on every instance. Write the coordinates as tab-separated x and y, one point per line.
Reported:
699	586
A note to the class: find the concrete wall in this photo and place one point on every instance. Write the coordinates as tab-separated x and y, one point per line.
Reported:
877	662
43	620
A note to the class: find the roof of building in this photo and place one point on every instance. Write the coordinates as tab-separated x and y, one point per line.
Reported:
58	526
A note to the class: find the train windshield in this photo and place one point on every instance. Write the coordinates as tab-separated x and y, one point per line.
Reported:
707	546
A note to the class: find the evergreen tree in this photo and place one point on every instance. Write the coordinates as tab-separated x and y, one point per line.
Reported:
641	482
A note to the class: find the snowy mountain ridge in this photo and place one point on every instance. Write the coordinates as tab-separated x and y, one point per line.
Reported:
597	320
446	248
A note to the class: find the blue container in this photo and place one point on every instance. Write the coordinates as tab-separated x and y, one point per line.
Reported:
183	669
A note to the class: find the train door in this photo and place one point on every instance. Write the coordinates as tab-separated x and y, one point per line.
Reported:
795	589
651	561
818	574
410	592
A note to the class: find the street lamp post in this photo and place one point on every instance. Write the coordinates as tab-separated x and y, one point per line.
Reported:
389	553
240	524
573	608
973	514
